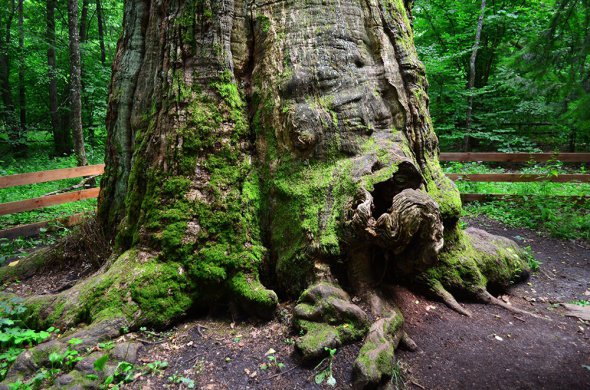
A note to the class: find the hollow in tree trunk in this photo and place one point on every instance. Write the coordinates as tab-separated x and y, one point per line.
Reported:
255	144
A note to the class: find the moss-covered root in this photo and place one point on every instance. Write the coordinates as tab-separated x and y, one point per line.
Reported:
252	296
30	361
146	291
473	261
376	359
137	286
328	320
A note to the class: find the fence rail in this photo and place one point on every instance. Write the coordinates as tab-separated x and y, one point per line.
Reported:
516	157
91	170
52	175
519	178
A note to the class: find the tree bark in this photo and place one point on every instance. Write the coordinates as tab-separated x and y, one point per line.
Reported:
61	135
76	84
246	146
471	82
100	22
22	101
8	111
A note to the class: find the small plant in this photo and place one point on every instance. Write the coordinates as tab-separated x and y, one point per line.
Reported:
14	335
529	256
124	373
324	369
178	379
156	367
580	302
272	362
398	377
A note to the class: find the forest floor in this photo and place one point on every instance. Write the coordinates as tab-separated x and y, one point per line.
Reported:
495	349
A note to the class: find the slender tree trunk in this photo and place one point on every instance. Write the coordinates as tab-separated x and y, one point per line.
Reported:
471	83
76	84
100	22
88	118
84	22
61	138
22	102
8	116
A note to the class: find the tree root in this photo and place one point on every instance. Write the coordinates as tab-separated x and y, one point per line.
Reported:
485	297
328	319
32	360
376	358
448	299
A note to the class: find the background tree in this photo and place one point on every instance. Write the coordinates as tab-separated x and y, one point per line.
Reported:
76	84
531	58
45	57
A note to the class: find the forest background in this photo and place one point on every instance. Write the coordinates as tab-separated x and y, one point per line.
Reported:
507	76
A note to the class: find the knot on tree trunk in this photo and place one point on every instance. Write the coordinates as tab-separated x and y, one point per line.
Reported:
410	229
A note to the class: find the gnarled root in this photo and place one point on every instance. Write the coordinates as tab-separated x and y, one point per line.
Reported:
376	358
328	319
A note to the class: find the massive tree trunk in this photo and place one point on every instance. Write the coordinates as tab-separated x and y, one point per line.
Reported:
285	139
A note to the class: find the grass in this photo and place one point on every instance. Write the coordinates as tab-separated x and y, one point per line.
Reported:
561	218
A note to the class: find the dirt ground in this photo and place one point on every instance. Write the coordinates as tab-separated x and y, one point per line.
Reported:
495	349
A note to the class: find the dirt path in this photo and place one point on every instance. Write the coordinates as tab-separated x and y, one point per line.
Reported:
493	350
530	353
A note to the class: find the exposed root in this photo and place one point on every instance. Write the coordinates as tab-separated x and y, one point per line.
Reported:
35	358
448	299
485	297
376	359
407	343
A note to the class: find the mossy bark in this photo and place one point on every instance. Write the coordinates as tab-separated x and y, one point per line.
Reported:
285	142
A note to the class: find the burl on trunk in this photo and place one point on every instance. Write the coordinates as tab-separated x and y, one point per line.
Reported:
282	141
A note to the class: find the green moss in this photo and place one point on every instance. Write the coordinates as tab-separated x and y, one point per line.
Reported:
463	268
252	295
264	23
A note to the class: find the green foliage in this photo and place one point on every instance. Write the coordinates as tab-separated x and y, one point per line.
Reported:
124	373
531	86
33	58
14	335
181	380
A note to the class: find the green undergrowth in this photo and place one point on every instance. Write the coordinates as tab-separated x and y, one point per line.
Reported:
38	159
20	247
541	207
15	336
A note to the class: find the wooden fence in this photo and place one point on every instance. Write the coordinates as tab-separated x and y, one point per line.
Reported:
92	170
